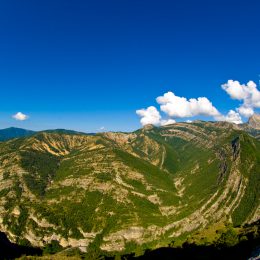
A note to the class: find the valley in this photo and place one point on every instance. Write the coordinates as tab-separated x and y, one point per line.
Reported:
120	193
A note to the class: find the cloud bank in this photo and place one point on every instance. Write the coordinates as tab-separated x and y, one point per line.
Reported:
180	107
20	116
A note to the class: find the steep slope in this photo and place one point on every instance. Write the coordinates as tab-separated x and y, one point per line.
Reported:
116	191
254	121
252	126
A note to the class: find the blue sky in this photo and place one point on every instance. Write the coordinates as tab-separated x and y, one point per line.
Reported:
89	64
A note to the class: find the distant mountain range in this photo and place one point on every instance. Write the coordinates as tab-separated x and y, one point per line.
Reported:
120	193
13	132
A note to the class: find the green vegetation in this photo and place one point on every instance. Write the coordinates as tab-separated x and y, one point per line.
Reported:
131	192
228	238
41	168
52	248
250	167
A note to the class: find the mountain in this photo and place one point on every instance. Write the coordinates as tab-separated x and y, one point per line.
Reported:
13	132
66	131
254	121
113	193
252	126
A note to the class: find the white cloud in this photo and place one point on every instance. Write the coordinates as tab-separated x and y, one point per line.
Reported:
20	116
101	129
152	116
245	111
167	122
149	115
180	107
248	93
232	117
235	89
188	121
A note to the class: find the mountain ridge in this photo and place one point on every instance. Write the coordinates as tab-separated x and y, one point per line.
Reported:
15	132
115	191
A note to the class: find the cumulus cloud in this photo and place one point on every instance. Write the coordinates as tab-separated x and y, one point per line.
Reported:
167	122
247	93
245	110
149	115
20	116
232	117
180	107
152	116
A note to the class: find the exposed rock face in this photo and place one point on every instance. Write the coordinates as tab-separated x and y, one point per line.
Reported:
114	189
254	121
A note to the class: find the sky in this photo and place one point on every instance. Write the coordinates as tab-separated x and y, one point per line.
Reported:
101	65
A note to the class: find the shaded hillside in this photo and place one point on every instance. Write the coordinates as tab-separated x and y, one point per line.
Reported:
13	132
10	250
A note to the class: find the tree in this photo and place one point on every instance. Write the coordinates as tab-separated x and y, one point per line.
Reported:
228	238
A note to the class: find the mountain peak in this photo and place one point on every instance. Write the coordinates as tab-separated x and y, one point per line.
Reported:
148	127
254	121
